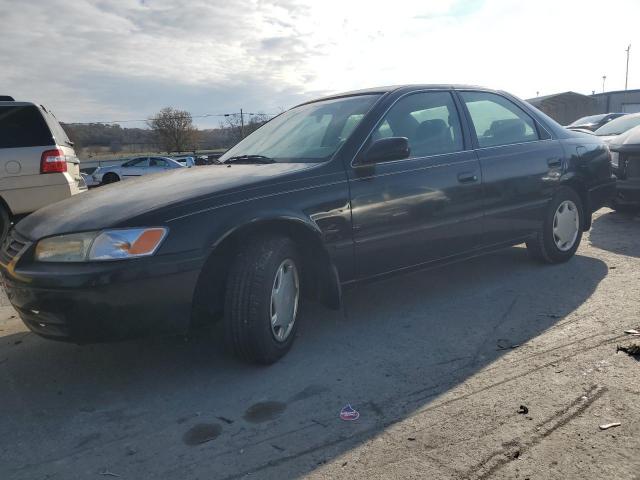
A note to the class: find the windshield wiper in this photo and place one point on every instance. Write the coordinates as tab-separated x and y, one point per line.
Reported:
250	159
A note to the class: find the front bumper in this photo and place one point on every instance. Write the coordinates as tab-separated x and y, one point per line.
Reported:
102	301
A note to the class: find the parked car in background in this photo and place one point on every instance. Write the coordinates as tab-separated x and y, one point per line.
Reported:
593	122
88	180
330	193
185	161
134	168
625	162
38	165
618	126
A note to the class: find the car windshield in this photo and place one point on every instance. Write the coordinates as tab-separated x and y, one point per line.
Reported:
589	119
308	133
619	125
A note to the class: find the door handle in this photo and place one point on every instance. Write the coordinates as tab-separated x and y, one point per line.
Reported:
554	162
467	177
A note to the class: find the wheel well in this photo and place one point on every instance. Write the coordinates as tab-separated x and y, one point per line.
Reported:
5	206
319	278
577	186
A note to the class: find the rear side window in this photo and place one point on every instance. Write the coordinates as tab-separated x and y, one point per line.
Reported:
23	126
498	121
429	120
58	132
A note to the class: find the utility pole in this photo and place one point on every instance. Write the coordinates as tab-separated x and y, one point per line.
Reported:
241	124
604	77
626	76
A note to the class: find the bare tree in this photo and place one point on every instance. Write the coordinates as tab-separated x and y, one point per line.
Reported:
174	129
237	128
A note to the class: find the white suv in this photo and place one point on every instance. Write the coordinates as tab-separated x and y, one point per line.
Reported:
38	165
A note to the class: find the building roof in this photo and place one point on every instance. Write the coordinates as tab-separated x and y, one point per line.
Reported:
637	90
557	97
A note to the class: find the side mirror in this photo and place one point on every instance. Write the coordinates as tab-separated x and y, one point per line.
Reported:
386	150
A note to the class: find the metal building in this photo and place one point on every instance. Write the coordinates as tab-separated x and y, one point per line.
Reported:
566	107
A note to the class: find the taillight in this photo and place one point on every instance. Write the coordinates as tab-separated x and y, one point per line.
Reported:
53	161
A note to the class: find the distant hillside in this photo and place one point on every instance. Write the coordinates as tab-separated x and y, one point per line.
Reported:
100	138
111	137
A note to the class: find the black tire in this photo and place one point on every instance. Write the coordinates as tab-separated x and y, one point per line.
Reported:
5	223
110	178
543	247
247	313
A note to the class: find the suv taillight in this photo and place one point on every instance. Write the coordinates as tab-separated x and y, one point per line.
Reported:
53	161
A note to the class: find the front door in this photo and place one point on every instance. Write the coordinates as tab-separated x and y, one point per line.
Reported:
422	208
135	168
520	164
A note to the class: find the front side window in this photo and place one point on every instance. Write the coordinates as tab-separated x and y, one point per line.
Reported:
429	120
307	133
498	121
137	162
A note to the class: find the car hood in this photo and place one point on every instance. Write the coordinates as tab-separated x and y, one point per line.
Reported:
626	139
606	138
112	205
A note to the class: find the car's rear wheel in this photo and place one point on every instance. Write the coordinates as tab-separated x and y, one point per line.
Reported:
561	232
262	299
110	178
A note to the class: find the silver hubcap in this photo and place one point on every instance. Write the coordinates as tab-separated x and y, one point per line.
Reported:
566	225
284	300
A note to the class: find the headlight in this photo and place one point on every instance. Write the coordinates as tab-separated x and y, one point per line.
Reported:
104	245
615	157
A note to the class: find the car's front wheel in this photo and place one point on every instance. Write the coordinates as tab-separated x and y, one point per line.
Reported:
110	178
262	299
561	231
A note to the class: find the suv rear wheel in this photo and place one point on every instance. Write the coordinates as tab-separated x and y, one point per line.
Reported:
561	232
262	299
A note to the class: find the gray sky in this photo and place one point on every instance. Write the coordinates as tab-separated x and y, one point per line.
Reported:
99	60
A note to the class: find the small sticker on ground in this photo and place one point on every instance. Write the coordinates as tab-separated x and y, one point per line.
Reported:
349	414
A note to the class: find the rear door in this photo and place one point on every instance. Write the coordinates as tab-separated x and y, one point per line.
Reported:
423	208
520	164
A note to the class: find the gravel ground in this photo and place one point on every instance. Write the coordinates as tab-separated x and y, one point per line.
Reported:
437	363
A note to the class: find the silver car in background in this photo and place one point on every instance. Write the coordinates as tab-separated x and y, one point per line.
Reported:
134	168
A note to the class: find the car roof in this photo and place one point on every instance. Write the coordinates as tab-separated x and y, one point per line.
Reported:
406	87
9	103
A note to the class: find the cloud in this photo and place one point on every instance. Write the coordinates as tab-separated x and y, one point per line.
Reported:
100	60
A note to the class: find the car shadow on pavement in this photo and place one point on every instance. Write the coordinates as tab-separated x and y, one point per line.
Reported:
176	408
612	231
